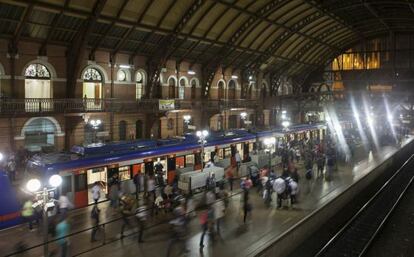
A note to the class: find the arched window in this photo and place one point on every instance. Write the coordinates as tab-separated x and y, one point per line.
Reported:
121	75
140	84
171	88
220	90
264	91
92	88
233	121
193	89
181	89
139	129
122	130
37	86
39	133
231	92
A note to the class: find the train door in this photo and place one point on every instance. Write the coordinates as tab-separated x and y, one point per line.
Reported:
233	150
149	167
246	151
81	189
68	186
197	161
240	149
97	175
171	167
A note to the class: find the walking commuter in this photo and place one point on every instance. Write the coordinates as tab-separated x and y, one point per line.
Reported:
141	214
219	211
96	192
114	190
28	213
206	217
64	204
126	209
230	177
95	221
151	196
137	182
321	165
279	186
238	159
247	209
62	230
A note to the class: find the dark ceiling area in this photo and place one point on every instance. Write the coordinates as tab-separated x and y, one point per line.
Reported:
287	36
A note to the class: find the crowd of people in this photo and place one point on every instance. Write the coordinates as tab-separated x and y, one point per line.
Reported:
310	159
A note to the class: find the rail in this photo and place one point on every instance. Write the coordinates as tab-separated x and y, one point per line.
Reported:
76	105
355	237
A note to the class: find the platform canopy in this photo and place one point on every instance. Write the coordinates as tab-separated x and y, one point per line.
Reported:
288	36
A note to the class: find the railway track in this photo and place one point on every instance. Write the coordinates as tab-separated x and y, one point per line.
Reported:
356	236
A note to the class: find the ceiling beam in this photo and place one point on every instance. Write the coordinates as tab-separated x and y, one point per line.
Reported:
105	34
375	14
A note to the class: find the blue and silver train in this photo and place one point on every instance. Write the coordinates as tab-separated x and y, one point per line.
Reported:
85	165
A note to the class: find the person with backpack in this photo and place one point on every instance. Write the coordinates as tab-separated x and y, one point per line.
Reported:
279	186
95	221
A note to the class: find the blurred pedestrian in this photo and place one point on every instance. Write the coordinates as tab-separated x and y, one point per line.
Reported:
230	177
96	192
28	213
64	204
62	230
95	221
219	211
141	214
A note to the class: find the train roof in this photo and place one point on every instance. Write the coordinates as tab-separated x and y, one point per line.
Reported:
106	154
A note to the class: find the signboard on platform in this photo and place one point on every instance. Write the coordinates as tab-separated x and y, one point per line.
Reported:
166	105
191	127
247	122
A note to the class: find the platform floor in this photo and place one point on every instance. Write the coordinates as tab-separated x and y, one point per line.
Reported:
236	238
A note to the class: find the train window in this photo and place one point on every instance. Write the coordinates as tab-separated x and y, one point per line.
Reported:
80	182
179	162
221	154
124	173
189	160
227	153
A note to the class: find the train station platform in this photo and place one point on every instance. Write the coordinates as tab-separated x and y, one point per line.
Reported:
236	238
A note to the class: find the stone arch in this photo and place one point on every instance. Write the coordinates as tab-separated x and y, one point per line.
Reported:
144	73
186	82
58	128
48	65
231	89
196	81
99	68
324	88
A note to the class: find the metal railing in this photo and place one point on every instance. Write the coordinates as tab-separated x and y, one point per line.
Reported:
76	105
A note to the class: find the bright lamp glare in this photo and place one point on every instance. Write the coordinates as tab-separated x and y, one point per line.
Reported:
285	123
205	133
234	77
55	180
370	120
389	116
198	133
191	72
243	115
269	141
1	156
33	185
187	117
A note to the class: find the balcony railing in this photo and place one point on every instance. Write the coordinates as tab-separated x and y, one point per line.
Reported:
78	105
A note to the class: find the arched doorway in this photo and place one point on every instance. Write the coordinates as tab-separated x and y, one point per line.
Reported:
193	89
92	88
39	134
220	87
171	88
37	86
139	132
231	91
140	84
122	130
